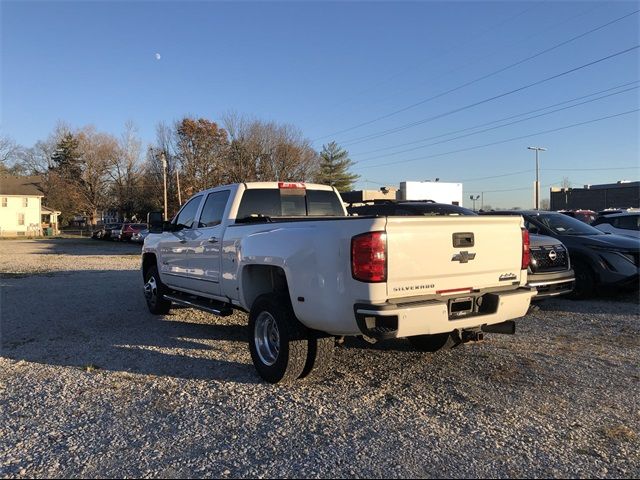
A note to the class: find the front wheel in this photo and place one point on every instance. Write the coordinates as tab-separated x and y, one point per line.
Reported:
278	342
154	291
585	281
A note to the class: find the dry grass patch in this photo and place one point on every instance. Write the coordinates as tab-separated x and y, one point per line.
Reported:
620	433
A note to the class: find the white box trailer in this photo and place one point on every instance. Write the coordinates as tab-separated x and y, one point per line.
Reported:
441	192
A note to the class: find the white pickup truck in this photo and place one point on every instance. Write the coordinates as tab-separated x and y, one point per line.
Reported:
307	273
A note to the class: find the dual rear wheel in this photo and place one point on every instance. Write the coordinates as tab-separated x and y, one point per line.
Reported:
282	349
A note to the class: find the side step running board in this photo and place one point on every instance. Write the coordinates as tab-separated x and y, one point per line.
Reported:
219	309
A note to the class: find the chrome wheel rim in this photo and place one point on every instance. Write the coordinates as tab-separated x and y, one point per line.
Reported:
151	290
267	338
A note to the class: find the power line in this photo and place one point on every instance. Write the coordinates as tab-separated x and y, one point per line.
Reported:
545	170
497	126
520	172
483	77
588	169
479	34
514	189
494	121
476	58
466	64
486	100
503	141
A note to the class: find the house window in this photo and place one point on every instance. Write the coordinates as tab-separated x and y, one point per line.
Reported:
4	201
21	219
25	202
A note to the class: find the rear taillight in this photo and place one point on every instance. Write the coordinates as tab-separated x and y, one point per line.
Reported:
369	257
526	253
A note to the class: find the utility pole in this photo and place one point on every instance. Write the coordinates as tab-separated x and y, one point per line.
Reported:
178	181
473	198
537	186
164	175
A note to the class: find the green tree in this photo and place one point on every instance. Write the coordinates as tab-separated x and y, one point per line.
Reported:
334	168
67	158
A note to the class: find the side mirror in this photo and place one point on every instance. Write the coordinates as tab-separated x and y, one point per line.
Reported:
155	220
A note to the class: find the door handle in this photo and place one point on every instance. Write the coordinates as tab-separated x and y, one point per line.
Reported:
213	240
183	240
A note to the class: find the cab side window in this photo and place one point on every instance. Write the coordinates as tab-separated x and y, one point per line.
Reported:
213	209
187	215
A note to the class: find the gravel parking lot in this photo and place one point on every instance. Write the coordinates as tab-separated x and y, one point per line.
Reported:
91	384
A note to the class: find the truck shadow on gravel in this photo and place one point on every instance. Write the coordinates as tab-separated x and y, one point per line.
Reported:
71	320
622	302
75	247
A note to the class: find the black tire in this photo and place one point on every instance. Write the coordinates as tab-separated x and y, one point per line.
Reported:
585	281
154	291
319	356
434	343
278	357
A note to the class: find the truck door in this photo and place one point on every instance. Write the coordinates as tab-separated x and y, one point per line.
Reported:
174	246
205	245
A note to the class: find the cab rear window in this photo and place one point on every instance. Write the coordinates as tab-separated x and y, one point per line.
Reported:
273	202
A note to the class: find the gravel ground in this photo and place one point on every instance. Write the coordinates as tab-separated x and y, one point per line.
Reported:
93	385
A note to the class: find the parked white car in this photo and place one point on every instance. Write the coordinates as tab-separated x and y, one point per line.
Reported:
627	224
288	254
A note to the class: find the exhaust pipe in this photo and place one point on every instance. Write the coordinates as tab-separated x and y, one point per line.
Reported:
507	328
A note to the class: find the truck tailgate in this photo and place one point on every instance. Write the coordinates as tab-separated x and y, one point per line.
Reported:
423	259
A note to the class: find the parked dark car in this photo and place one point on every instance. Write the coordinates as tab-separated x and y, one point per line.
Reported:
127	230
598	259
402	207
586	216
624	223
108	230
549	269
97	232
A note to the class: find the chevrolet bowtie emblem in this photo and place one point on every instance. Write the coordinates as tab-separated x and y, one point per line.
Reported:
463	257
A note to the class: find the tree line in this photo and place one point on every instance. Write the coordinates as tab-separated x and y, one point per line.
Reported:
85	171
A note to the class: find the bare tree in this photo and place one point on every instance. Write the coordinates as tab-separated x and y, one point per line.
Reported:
151	182
266	151
38	160
8	152
98	152
201	149
124	172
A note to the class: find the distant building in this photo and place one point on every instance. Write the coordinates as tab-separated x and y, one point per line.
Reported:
596	197
359	196
440	192
20	206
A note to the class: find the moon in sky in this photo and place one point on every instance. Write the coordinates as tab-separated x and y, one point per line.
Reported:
158	57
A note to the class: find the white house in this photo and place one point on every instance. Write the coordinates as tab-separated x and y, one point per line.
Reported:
20	206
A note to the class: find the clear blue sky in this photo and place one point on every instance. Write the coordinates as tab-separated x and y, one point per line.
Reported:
327	67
